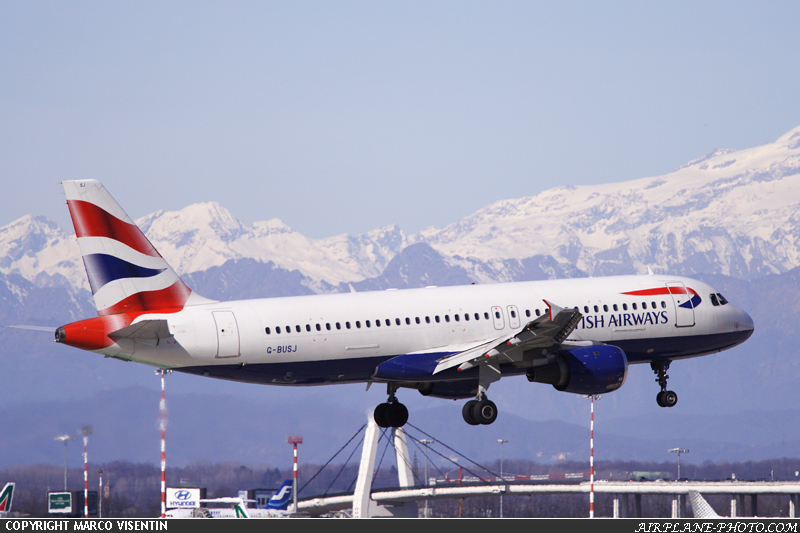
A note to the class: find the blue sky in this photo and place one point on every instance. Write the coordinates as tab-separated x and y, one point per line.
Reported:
342	117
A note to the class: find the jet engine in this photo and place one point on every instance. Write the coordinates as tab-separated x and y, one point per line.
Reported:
585	370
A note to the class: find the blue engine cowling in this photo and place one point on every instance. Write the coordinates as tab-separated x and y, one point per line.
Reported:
586	370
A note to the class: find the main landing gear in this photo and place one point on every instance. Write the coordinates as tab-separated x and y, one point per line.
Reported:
482	411
391	414
665	398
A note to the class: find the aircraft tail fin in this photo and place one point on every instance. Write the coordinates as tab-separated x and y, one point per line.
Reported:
700	507
280	500
6	497
126	273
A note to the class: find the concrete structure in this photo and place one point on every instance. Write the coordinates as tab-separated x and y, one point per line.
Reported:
627	494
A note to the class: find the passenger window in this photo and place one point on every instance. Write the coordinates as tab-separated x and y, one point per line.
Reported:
644	305
319	328
486	316
417	320
528	313
447	318
366	323
663	304
436	318
277	329
347	325
497	314
267	330
652	305
358	324
408	321
477	316
466	317
605	308
427	320
596	309
308	327
397	321
288	329
513	314
456	317
586	309
624	307
377	323
615	307
538	313
297	329
388	322
634	306
328	326
338	326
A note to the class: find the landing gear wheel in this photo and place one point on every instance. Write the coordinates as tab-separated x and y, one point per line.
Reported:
666	398
670	399
468	412
396	414
391	415
380	415
484	411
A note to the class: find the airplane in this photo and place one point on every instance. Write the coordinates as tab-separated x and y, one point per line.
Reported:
578	335
6	498
275	508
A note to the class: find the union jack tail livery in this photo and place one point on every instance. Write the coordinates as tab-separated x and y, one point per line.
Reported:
125	271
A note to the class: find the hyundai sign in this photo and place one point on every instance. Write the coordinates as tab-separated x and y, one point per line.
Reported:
183	498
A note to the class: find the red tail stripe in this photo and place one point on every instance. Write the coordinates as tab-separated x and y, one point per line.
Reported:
92	221
173	297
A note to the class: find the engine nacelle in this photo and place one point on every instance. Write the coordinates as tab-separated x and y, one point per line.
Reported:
586	370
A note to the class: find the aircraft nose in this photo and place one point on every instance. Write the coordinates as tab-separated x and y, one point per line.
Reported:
743	322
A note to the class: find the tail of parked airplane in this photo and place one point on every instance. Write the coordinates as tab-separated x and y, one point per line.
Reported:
700	507
6	498
125	271
282	496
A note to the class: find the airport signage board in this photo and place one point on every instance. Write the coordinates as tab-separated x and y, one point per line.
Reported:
182	498
59	502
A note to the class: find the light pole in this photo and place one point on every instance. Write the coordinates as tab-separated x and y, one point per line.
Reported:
425	443
65	439
502	479
294	441
86	431
100	503
592	398
679	451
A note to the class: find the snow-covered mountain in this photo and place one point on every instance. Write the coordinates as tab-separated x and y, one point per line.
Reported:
731	212
735	213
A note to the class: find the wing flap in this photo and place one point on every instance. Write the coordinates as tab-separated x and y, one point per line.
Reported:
548	330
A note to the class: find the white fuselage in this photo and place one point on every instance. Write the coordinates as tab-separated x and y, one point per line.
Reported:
344	337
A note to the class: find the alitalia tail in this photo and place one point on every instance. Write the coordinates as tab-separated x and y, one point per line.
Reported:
578	335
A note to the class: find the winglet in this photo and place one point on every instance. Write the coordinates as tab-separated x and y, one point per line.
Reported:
554	309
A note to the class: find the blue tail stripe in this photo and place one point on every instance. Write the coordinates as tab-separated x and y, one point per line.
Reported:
103	268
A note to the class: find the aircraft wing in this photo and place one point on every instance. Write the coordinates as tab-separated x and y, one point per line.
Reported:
547	331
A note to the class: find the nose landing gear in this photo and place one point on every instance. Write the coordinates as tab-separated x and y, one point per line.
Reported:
665	398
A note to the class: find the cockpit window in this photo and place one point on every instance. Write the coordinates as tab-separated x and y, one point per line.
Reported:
714	299
722	299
